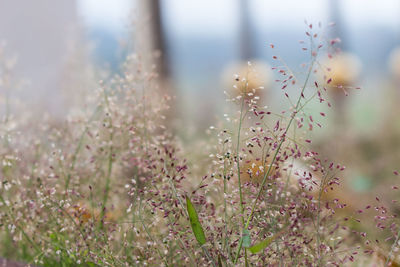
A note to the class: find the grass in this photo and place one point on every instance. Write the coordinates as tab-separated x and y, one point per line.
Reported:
109	188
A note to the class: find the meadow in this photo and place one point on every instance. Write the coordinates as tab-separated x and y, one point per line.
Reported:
112	184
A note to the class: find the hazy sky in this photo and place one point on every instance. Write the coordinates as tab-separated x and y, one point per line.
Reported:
213	17
113	15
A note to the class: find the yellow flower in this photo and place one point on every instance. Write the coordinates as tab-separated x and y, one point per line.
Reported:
249	78
342	70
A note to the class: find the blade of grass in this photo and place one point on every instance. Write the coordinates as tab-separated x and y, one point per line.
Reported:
197	229
195	223
262	245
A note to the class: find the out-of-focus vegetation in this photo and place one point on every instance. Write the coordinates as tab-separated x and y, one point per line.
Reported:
292	172
108	186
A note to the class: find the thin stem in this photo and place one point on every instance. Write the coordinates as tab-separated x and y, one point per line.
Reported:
322	186
174	189
78	149
150	236
291	169
238	165
187	214
110	161
283	138
226	243
208	256
392	249
19	227
238	159
73	221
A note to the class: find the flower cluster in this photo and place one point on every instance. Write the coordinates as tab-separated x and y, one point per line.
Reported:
112	186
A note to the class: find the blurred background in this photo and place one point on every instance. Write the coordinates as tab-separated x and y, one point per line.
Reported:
200	42
55	47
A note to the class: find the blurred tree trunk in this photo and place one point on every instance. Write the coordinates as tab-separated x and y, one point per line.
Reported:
150	39
337	31
158	38
150	45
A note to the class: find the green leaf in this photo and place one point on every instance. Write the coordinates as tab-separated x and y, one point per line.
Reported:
262	245
53	237
246	238
195	223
